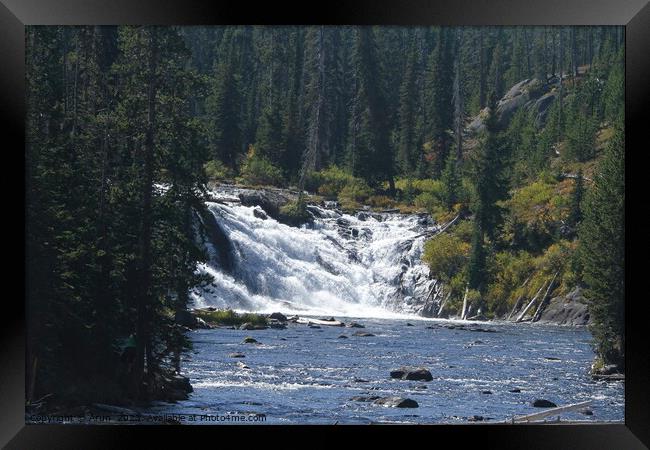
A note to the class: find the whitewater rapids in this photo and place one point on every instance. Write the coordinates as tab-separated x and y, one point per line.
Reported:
363	265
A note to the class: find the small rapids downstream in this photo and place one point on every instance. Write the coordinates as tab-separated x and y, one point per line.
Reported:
366	265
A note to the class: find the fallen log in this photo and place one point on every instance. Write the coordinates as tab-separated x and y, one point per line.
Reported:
542	303
523	314
518	302
437	232
333	323
444	302
551	412
464	311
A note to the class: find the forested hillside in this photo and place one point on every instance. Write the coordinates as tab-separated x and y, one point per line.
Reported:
514	134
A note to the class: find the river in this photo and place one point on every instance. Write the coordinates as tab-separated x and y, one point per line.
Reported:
303	375
365	267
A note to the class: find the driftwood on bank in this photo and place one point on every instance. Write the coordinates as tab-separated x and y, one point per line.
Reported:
543	302
444	302
551	412
463	313
518	302
532	302
441	230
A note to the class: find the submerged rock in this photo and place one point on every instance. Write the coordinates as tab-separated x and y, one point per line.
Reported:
250	340
361	398
543	403
362	334
236	355
251	326
396	402
412	373
355	325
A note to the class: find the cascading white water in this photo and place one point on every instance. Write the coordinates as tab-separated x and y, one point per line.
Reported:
366	265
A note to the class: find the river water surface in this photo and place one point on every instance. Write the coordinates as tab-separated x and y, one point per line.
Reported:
303	375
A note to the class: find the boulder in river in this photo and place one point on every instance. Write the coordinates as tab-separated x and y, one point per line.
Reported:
412	373
259	213
236	355
396	402
276	324
251	326
355	325
278	316
250	340
543	403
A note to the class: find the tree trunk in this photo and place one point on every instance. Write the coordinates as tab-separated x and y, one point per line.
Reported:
523	313
542	303
444	302
459	101
482	78
464	311
517	303
143	342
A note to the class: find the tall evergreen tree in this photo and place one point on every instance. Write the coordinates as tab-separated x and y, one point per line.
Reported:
602	250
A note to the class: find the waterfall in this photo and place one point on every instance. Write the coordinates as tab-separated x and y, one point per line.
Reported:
363	265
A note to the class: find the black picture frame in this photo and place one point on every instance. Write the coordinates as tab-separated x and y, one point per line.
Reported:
633	14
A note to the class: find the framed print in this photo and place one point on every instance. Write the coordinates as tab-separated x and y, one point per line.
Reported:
376	214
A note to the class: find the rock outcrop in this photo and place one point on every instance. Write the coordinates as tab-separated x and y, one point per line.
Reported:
532	95
569	310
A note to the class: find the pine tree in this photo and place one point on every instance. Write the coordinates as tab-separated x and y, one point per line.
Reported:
223	111
575	208
451	181
602	251
491	183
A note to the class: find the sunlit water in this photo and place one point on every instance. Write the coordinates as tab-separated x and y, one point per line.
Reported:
303	375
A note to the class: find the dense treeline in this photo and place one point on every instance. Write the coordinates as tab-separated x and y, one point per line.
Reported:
108	255
377	101
126	124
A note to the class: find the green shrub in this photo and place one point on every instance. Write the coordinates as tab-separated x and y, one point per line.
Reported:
294	213
328	182
380	201
258	170
446	255
357	190
535	214
216	170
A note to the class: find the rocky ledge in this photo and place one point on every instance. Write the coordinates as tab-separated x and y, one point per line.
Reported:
569	310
